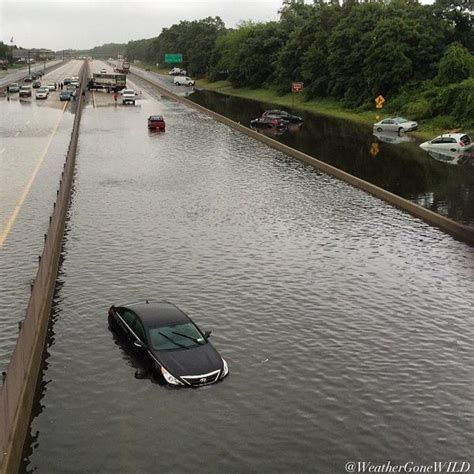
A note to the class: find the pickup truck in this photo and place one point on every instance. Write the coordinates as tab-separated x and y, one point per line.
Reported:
128	95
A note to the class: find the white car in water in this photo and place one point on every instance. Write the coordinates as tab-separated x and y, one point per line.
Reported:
397	124
450	142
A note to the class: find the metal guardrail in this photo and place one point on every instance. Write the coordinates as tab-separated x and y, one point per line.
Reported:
21	376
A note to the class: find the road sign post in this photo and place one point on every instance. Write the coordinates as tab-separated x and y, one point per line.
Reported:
379	101
295	87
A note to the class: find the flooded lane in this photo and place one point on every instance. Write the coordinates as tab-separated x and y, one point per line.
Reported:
392	162
346	323
34	136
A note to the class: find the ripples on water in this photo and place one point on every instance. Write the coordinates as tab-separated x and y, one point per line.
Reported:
25	130
346	323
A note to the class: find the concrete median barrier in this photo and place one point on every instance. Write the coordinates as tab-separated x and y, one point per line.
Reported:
20	379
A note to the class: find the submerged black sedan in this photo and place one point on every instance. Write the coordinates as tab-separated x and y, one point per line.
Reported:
173	347
282	115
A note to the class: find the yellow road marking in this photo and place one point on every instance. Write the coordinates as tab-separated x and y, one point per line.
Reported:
26	190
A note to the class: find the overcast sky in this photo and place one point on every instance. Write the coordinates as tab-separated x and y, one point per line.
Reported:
83	24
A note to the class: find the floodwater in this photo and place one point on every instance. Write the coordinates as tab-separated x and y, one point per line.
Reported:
34	136
347	324
394	163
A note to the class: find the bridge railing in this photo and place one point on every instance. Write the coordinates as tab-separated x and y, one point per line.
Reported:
23	371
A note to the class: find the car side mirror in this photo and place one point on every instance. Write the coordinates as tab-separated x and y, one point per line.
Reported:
207	334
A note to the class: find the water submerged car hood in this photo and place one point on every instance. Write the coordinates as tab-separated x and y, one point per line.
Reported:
194	361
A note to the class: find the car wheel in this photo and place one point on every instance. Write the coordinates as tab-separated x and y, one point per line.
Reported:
379	129
401	130
178	84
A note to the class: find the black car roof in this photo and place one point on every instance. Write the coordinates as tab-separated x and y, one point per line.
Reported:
161	312
155	117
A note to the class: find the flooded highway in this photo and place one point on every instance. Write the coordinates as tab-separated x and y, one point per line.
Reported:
393	162
346	323
34	136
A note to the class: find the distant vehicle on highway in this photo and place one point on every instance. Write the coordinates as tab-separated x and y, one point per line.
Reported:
109	81
452	142
13	87
25	91
128	96
397	124
42	93
177	71
67	81
65	95
183	81
156	122
36	84
283	115
168	343
51	86
103	71
28	79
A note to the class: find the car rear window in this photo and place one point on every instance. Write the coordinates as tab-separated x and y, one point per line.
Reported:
156	118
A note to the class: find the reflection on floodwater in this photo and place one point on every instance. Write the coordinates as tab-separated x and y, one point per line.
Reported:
453	157
393	137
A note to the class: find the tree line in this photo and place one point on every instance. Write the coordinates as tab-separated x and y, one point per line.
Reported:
419	57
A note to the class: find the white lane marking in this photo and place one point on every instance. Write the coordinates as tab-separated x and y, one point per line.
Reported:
2	150
17	133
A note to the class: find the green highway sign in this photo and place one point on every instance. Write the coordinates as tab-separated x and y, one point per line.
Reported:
173	58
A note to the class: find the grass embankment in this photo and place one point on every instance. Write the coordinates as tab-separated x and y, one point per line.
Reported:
322	106
151	67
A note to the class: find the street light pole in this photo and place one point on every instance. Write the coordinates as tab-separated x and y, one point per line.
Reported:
29	64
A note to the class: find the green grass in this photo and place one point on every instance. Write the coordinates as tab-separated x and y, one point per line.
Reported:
152	67
331	107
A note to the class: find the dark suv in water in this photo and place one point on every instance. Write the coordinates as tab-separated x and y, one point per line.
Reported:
282	115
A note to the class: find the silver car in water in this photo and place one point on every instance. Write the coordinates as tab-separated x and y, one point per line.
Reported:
397	124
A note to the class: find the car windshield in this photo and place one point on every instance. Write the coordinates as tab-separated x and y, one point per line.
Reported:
401	119
175	336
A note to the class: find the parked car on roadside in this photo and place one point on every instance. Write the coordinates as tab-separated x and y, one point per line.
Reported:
42	93
452	142
156	122
183	81
283	115
168	343
176	71
25	91
397	124
14	87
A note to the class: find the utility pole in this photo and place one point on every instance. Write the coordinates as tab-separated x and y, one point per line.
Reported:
29	64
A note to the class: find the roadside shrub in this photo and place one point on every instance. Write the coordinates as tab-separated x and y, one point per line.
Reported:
418	109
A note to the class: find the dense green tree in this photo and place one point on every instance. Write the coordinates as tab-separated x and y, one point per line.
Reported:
456	65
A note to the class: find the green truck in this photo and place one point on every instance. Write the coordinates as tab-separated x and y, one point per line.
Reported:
109	82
